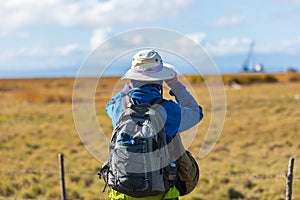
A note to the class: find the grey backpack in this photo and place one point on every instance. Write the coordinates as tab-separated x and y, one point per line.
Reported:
140	163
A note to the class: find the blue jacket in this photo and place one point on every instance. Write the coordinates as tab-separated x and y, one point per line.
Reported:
180	116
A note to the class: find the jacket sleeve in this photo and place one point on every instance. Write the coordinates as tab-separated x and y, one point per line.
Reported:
114	108
190	112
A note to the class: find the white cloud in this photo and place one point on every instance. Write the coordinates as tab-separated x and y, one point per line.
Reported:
229	21
37	57
68	49
228	46
91	13
197	37
99	36
291	46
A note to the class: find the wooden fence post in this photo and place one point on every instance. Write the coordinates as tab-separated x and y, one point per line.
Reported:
62	176
289	180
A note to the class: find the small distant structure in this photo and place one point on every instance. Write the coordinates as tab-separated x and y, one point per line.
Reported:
235	85
258	68
292	69
248	64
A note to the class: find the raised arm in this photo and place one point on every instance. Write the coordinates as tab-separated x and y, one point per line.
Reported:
190	112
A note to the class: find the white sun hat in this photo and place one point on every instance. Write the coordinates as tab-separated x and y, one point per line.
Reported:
147	65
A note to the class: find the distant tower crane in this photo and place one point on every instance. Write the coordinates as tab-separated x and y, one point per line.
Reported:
248	58
248	64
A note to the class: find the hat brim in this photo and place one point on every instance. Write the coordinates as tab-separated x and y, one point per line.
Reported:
166	73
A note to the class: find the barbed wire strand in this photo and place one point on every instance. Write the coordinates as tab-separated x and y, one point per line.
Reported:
212	174
36	171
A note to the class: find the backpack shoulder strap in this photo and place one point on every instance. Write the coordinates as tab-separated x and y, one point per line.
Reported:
126	101
159	101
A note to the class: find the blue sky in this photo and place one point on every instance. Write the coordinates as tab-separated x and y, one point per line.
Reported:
53	37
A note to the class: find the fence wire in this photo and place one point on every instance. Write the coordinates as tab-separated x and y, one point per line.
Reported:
37	171
211	174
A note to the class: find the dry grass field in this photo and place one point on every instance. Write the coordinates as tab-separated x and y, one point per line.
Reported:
249	161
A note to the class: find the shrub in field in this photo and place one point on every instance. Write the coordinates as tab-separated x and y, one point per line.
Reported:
27	195
36	190
270	79
75	178
235	80
254	79
194	78
234	194
35	97
52	193
248	183
294	78
250	79
6	191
